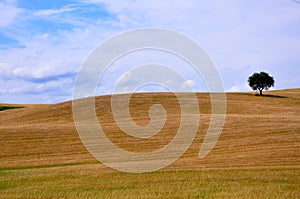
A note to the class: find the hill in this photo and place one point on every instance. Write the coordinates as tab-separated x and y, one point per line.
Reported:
260	132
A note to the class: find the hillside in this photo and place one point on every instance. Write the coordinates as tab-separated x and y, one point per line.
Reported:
257	155
259	132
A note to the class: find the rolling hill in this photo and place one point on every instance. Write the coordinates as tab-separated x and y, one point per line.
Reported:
260	133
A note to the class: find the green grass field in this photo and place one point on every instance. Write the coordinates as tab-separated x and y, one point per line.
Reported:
86	182
257	155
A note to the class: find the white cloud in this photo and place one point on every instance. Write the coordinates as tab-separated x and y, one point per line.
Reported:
8	12
3	91
50	54
50	12
234	88
231	34
150	13
5	70
188	83
54	85
57	84
44	69
239	88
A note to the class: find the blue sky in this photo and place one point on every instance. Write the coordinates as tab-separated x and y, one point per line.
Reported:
44	43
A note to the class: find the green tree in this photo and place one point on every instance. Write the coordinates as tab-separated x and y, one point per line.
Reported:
260	81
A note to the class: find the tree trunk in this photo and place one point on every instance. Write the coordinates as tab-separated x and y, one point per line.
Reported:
260	92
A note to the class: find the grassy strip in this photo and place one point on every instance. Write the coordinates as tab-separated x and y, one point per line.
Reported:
3	108
47	166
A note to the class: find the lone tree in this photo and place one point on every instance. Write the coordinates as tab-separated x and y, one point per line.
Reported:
260	81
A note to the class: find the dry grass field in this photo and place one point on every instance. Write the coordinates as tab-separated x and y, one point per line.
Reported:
257	155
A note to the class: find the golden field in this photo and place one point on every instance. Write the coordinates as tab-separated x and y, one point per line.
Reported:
257	155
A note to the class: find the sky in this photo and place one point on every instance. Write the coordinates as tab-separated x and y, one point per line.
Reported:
43	44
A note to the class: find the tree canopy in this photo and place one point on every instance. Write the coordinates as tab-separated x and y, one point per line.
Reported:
261	81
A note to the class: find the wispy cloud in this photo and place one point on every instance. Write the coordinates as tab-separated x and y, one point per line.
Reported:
51	12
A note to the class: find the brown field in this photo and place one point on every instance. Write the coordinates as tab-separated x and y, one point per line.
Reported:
257	155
